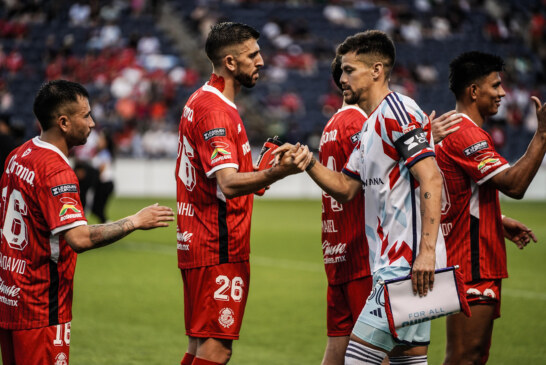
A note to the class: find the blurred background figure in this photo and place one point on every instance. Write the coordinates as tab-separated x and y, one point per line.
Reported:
104	185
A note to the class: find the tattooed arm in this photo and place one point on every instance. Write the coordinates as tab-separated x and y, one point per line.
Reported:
83	238
430	180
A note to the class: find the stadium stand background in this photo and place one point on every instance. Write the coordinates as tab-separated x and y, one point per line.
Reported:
141	60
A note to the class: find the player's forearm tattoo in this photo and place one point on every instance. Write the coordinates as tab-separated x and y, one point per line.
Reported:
431	220
105	234
428	195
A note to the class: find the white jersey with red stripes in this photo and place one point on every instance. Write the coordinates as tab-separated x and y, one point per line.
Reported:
396	136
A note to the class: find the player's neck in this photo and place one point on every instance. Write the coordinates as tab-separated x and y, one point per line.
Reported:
53	138
225	84
374	98
472	111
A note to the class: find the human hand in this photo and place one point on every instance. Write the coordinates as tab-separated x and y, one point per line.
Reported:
422	273
296	159
517	232
441	125
152	216
541	114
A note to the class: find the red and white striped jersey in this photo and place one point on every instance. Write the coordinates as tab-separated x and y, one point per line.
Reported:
211	229
344	244
40	200
395	137
471	217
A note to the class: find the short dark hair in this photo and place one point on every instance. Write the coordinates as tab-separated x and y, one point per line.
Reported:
470	67
337	71
53	96
227	34
372	42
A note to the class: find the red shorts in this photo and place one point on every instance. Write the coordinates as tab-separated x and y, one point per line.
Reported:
215	299
345	302
485	292
46	345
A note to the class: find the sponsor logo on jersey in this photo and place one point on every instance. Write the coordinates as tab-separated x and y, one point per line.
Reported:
61	359
226	317
476	147
246	148
66	188
183	240
27	152
372	181
487	164
328	226
414	141
220	152
8	293
409	128
328	137
68	204
335	253
187	113
185	209
12	264
22	172
216	132
355	138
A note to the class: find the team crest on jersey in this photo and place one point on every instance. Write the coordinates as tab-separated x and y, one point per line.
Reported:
220	151
216	132
69	210
226	317
61	359
476	147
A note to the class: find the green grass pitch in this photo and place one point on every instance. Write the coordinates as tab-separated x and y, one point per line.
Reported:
128	303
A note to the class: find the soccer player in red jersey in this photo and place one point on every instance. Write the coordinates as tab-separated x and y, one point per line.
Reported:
472	223
43	227
215	181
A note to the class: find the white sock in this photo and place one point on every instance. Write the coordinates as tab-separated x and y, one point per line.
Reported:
358	354
409	360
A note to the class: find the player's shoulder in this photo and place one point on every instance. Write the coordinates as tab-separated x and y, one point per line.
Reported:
347	116
401	107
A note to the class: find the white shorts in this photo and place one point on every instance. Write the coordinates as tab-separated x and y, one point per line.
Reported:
372	325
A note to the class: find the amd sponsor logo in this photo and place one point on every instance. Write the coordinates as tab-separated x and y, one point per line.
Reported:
328	137
20	171
12	264
9	292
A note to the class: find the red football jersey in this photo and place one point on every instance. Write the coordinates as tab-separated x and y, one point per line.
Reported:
40	200
344	244
471	217
211	229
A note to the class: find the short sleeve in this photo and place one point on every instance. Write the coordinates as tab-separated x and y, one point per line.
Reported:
353	165
351	133
408	129
473	151
216	142
59	199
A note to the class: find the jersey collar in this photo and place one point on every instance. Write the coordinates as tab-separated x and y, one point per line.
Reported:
355	107
212	89
39	143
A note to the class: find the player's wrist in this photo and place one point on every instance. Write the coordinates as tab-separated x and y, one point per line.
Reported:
311	164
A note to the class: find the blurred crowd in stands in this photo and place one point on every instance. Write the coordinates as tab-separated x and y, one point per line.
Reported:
139	79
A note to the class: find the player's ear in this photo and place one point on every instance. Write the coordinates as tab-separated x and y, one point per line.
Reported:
229	62
63	123
377	69
473	91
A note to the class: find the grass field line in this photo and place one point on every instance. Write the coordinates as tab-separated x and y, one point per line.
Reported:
289	264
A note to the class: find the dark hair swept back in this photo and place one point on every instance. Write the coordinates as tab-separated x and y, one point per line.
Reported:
227	34
469	67
52	97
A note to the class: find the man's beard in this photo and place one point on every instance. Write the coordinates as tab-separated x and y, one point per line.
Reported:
245	80
353	98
